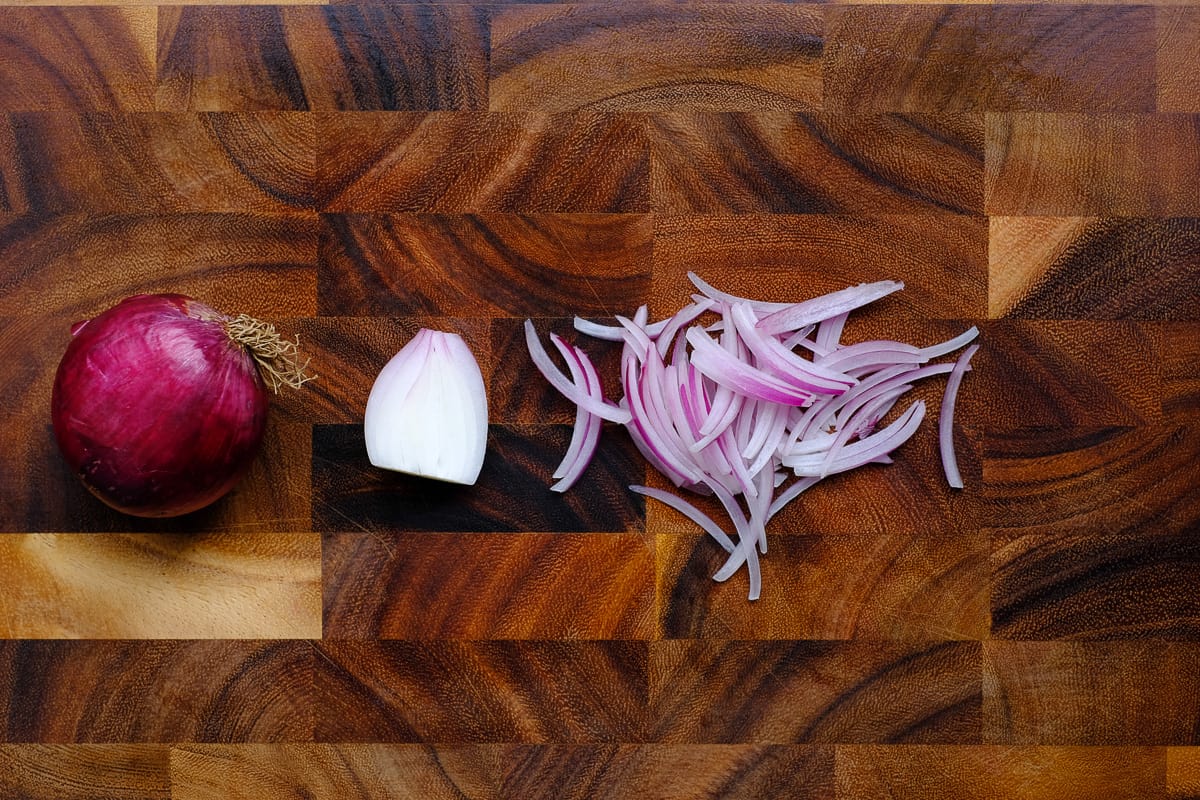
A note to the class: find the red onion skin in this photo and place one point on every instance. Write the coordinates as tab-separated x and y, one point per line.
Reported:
156	409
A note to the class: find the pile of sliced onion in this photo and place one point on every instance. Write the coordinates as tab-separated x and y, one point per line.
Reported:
752	402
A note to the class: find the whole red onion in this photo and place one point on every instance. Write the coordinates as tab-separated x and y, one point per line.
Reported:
157	407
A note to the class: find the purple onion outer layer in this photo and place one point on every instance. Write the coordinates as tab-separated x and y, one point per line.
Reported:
156	408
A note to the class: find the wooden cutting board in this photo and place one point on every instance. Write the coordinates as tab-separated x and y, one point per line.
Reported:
353	172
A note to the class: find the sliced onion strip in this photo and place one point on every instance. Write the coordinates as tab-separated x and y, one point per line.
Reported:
676	322
810	376
581	414
822	308
946	418
566	388
613	333
586	434
863	451
829	332
760	306
950	345
738	376
706	523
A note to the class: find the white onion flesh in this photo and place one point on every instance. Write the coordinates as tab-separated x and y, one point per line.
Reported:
427	411
730	406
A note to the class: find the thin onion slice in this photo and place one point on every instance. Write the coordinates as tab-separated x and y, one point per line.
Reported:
775	392
581	414
813	377
706	523
675	323
829	332
760	306
876	355
569	390
822	308
950	345
613	333
863	451
586	435
739	376
946	418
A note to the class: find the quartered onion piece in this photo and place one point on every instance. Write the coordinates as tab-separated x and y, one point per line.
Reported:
753	402
427	411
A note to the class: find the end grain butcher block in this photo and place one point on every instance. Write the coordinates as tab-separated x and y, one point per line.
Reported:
353	172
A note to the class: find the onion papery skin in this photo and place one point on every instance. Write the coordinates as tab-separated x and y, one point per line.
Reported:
156	408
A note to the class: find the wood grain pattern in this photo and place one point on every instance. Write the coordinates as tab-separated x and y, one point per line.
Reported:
139	3
654	57
350	771
500	772
1157	3
815	692
29	353
531	586
264	265
1094	268
1183	772
67	59
59	692
665	772
1091	693
94	162
942	259
1178	65
1110	480
1093	164
83	772
352	58
354	170
492	691
1179	361
150	586
864	587
996	773
492	265
969	58
466	163
510	496
1097	585
815	163
1067	374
